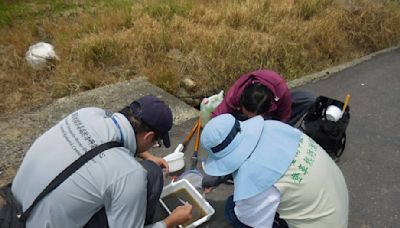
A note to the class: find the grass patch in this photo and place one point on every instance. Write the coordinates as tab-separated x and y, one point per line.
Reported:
212	42
9	11
306	9
165	11
104	53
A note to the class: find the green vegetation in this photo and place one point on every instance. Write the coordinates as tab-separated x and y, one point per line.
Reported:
212	42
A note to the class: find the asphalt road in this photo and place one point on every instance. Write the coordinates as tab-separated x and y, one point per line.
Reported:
371	160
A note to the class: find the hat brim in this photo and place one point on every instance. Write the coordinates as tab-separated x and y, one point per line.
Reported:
166	141
247	140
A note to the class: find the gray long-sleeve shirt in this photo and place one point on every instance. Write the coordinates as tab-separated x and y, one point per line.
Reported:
113	179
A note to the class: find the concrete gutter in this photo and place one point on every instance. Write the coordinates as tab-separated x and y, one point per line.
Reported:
18	133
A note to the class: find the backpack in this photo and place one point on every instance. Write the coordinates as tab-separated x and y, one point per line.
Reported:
330	135
10	209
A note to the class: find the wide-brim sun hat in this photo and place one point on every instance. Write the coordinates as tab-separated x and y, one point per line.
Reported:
229	142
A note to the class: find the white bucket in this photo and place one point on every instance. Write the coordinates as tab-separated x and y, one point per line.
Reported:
175	160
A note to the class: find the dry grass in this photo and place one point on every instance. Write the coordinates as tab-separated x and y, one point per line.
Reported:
210	41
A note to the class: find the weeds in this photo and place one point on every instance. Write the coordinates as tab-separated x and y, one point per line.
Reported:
306	9
103	53
165	11
212	42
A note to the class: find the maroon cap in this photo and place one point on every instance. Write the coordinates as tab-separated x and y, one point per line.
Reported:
155	113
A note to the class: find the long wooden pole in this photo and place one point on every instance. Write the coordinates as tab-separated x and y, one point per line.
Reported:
346	102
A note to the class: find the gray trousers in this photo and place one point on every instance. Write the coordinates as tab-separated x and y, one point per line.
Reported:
301	103
155	183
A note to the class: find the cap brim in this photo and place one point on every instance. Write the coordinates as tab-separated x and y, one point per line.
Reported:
166	141
250	134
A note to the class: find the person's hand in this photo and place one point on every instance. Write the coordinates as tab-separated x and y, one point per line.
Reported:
179	216
158	160
208	190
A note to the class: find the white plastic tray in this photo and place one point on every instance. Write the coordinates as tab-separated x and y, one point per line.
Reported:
184	184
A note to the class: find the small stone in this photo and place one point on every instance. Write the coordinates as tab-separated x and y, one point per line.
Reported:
188	83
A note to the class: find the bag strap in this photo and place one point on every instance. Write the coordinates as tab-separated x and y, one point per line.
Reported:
60	178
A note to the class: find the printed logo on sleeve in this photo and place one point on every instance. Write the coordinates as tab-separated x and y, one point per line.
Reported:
76	134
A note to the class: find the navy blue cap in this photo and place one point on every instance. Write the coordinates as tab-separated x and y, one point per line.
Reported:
156	114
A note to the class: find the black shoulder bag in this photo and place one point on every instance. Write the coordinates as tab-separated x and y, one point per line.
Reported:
11	214
328	134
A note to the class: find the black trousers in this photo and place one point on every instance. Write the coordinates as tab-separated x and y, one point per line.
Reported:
155	183
301	103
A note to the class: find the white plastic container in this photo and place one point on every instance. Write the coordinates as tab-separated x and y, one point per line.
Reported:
208	105
195	195
175	160
333	113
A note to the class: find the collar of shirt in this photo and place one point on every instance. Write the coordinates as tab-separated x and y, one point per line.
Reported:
125	131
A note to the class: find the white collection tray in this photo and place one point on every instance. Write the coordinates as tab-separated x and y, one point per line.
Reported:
184	184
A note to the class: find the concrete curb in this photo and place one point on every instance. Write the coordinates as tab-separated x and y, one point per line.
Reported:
18	133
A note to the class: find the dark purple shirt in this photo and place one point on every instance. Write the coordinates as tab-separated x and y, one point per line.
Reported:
281	105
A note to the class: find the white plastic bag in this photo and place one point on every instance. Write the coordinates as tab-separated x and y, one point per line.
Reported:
208	105
39	54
